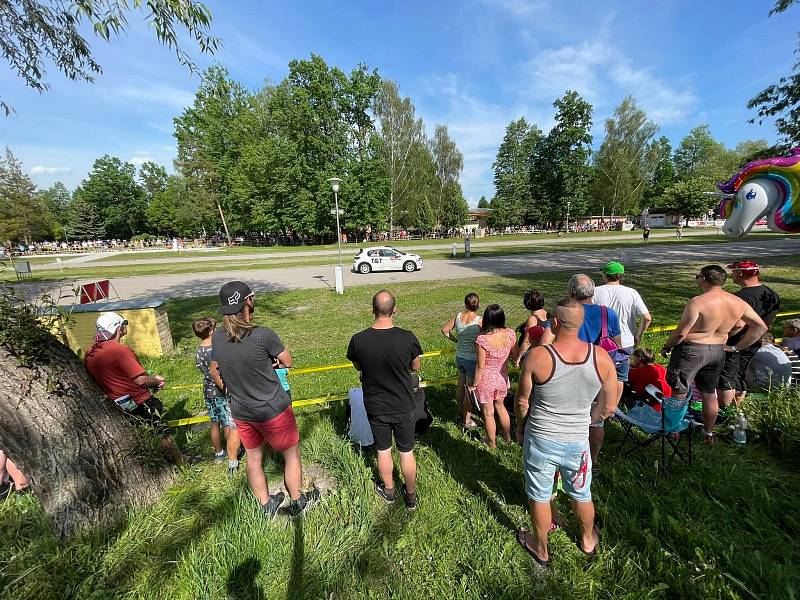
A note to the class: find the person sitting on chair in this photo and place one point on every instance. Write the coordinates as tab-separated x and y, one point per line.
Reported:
645	371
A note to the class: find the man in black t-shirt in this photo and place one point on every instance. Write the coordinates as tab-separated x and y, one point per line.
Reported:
386	355
731	387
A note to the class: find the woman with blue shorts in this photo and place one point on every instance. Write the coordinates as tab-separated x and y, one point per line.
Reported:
467	326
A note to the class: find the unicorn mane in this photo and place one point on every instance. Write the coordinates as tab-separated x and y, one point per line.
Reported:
783	170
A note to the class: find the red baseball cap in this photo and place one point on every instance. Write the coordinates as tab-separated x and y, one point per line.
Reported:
746	267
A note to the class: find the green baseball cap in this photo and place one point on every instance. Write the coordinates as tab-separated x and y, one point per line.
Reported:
613	268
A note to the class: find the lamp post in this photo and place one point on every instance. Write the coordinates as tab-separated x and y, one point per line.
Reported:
568	204
339	273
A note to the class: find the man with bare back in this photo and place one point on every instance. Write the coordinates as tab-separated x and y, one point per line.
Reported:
697	345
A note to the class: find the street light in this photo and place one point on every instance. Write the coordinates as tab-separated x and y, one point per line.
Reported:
568	204
339	273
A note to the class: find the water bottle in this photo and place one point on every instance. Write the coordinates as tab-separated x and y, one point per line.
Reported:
740	430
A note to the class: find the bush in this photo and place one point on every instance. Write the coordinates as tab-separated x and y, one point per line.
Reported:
776	416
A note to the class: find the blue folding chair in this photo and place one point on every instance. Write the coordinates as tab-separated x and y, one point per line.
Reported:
667	426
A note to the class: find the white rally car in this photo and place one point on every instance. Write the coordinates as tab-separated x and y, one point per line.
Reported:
384	258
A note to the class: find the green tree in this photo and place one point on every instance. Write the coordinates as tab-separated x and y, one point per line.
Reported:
663	172
561	170
449	164
313	125
57	200
416	206
686	197
84	222
35	34
173	212
112	189
695	153
455	210
623	164
483	202
750	150
23	212
781	100
153	179
512	173
209	137
400	130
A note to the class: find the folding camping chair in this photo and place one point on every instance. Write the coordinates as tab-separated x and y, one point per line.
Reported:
666	426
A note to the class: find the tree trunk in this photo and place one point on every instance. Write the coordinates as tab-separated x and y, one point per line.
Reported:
81	454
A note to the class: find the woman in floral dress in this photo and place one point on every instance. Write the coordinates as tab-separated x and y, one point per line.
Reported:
496	346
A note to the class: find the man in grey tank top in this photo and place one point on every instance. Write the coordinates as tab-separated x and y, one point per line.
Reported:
564	378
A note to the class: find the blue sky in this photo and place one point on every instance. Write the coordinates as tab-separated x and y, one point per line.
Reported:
473	65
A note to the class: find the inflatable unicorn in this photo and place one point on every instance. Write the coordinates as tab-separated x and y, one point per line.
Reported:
764	188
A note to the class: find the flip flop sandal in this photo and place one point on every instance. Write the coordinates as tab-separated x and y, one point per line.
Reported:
591	555
521	533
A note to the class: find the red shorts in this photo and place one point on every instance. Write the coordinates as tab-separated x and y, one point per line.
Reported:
279	432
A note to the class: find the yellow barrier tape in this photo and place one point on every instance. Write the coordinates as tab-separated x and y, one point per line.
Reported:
322	369
325	368
306	402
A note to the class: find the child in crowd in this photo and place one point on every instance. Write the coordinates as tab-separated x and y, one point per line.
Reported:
214	394
644	371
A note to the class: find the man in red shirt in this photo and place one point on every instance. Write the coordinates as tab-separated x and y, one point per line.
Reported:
123	379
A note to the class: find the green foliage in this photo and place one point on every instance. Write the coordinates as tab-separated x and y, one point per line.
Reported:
662	174
662	536
483	202
84	222
23	213
625	161
26	327
37	34
400	134
449	164
560	172
512	177
172	211
111	188
687	198
209	137
776	416
153	179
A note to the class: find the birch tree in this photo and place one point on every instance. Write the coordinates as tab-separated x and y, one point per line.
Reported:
400	130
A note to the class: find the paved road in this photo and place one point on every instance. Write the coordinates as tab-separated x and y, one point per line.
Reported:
347	251
204	284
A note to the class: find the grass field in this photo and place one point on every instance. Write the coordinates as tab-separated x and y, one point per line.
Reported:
725	528
184	264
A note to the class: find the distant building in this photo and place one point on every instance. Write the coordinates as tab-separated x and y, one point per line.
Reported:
477	222
661	217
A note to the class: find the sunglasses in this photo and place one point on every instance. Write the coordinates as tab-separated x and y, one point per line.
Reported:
125	322
699	276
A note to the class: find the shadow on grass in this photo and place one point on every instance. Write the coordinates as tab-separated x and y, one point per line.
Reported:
241	584
475	467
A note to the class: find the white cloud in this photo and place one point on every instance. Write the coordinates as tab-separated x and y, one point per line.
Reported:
41	170
600	72
519	8
140	157
155	93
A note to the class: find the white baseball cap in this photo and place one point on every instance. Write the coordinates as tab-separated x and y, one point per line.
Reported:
108	323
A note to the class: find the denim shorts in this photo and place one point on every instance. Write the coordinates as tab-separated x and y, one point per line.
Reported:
623	367
466	366
543	458
220	411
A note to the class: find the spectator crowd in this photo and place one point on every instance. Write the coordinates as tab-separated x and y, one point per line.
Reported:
578	362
